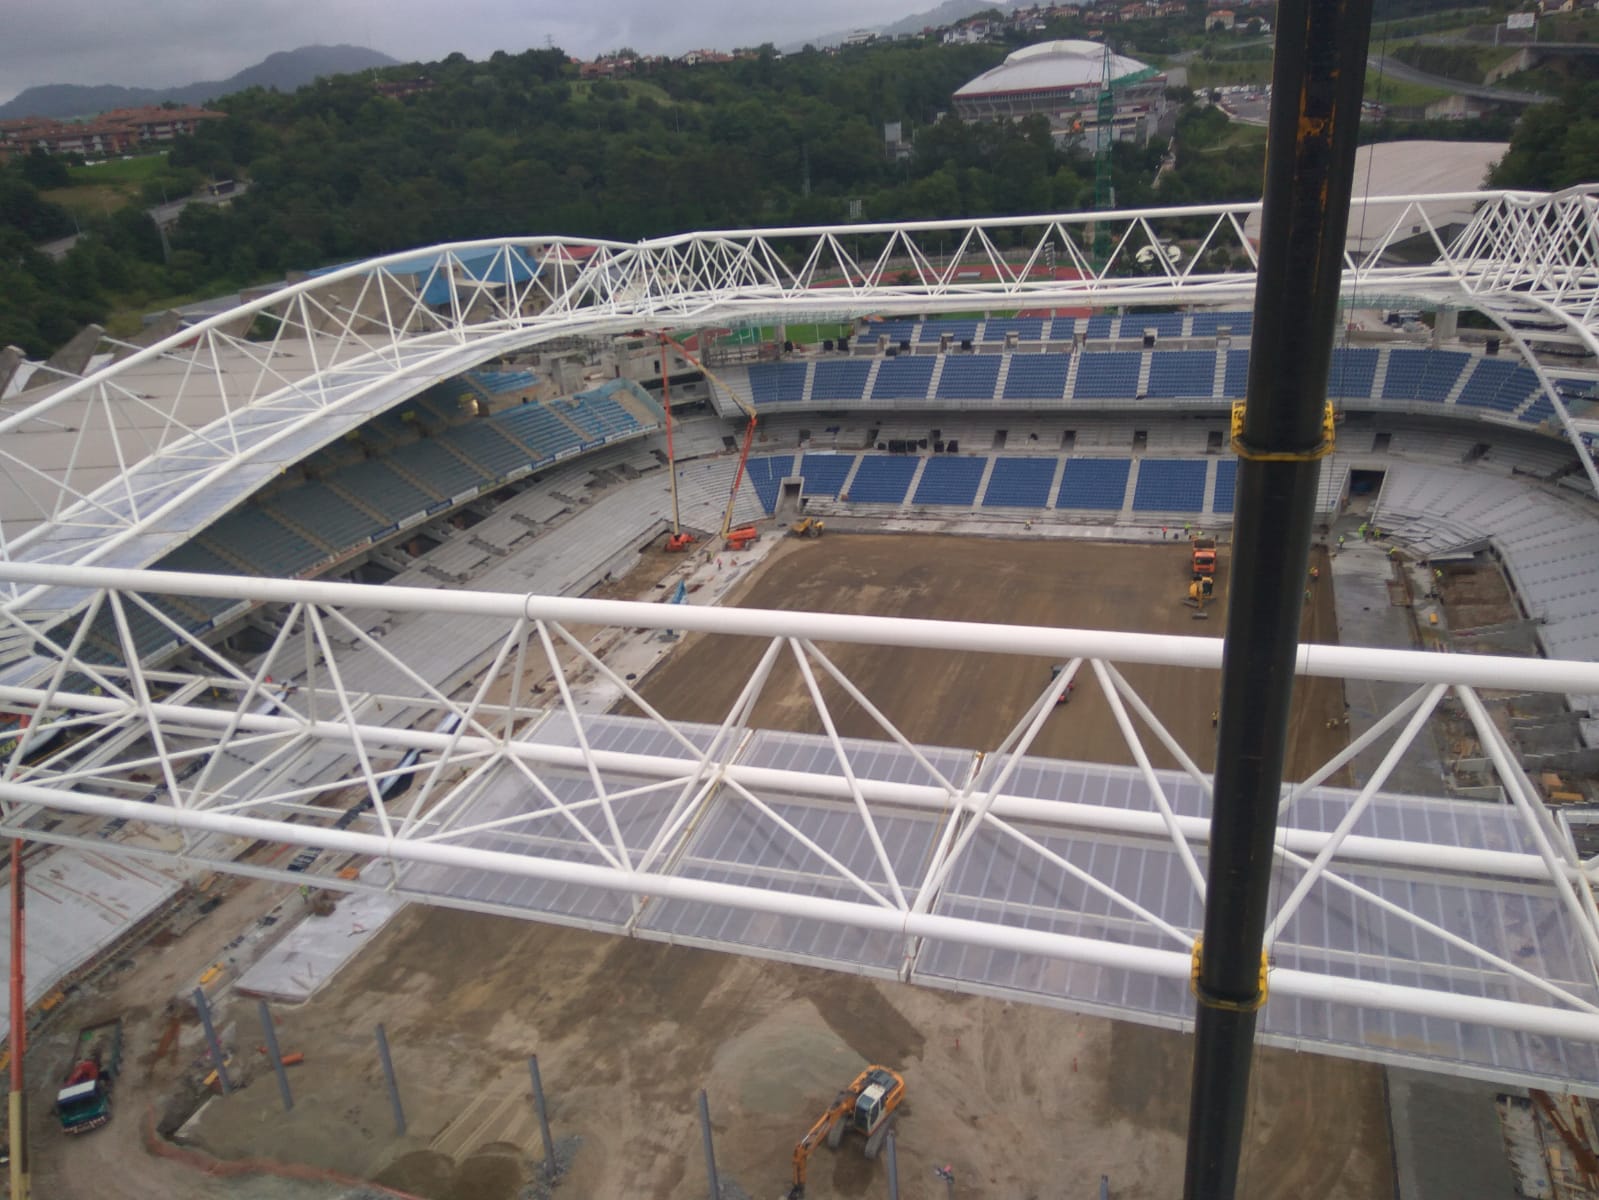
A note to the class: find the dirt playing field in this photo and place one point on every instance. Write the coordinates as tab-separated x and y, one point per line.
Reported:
971	700
1019	1101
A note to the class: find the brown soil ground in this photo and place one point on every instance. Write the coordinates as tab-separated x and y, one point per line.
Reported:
1020	1101
973	700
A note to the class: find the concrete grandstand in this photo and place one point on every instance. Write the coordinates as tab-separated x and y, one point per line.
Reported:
387	423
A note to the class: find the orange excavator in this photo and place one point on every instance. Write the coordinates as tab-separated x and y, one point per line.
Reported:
867	1107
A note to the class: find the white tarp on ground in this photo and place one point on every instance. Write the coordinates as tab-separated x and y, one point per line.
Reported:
314	951
78	903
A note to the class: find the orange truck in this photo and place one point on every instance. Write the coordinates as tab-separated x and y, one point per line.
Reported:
1204	557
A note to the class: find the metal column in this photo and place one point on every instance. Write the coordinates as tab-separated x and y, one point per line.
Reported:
539	1107
1317	80
269	1030
714	1183
388	1076
203	1007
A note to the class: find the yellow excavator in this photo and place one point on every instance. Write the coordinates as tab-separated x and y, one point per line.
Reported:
867	1107
1200	592
807	527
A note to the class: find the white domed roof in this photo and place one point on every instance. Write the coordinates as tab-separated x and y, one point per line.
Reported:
1059	64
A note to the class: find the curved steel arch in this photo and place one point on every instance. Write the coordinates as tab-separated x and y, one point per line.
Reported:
111	469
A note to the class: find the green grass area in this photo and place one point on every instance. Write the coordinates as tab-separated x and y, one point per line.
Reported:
634	89
1399	93
1204	73
120	171
804	333
90	200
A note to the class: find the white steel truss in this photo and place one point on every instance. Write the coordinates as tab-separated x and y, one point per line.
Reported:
1458	936
113	469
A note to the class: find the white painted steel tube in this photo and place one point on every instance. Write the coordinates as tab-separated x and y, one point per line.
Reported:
1165	964
1058	813
1342	662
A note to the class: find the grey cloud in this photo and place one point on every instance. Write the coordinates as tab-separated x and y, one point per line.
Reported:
180	41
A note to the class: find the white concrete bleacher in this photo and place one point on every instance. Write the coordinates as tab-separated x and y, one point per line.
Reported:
1547	538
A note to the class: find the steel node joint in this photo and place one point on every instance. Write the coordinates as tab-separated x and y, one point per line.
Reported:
1322	449
1209	999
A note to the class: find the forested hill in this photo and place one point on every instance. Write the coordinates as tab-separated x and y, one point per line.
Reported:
356	166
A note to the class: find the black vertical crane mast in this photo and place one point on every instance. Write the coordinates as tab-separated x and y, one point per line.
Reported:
1280	434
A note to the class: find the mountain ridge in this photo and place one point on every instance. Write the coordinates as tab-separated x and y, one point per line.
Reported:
286	70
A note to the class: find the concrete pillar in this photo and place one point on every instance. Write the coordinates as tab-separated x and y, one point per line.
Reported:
1446	326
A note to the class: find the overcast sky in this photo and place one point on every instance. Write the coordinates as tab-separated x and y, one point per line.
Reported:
156	43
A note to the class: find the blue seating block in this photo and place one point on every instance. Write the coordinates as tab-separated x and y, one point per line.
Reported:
969	377
1037	376
903	378
1170	485
1112	376
958	331
1226	485
766	474
883	479
1236	384
1422	374
1026	329
824	474
1186	373
1020	483
950	481
1352	373
777	383
1499	385
1097	483
1100	326
841	380
1207	323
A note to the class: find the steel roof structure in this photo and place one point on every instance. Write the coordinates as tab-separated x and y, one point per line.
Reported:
1457	937
1450	935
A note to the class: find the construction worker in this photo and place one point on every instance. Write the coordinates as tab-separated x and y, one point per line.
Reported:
1315	574
1340	541
1215	716
1393	552
1364	532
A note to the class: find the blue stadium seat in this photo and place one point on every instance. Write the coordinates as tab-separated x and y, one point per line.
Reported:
958	331
903	378
883	479
895	331
252	536
381	488
1020	483
1026	329
950	481
1107	376
487	448
443	471
1422	374
1164	324
1499	385
1226	485
1352	373
1100	326
1187	373
1037	376
824	474
1097	483
841	380
777	383
325	514
766	474
1207	323
1170	485
969	377
1236	384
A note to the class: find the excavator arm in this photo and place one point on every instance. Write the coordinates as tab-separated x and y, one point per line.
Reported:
813	1138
